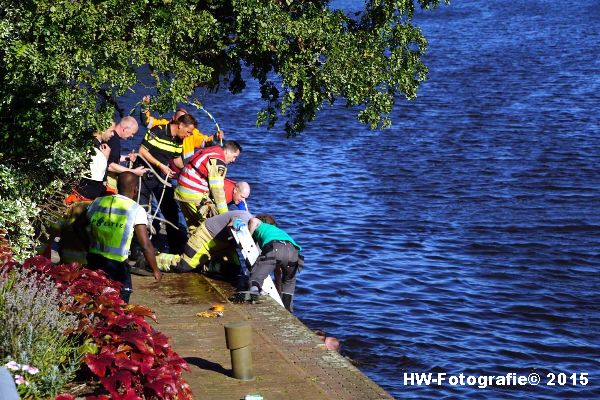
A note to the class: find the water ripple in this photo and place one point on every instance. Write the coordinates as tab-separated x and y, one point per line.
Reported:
465	238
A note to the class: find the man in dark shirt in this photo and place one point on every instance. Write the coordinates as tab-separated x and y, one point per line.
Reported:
162	144
126	128
105	162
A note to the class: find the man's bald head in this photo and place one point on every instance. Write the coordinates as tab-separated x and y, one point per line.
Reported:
241	191
243	188
127	127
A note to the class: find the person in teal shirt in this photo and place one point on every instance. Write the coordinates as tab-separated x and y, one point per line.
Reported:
278	250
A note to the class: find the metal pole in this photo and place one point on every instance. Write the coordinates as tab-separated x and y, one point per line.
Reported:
238	336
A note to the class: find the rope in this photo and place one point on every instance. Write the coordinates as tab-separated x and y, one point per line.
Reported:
151	169
198	105
165	184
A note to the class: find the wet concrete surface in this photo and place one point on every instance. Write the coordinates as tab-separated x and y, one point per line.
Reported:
289	360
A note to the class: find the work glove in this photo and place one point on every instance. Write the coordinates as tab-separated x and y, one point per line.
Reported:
238	224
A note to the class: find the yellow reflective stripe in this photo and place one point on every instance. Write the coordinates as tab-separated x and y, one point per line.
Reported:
112	224
222	208
197	249
165	145
189	196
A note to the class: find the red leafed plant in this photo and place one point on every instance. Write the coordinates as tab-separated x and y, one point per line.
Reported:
133	361
5	250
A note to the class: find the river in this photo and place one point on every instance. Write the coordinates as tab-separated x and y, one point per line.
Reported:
466	238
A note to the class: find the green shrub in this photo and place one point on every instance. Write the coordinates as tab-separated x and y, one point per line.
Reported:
16	216
17	211
30	205
33	329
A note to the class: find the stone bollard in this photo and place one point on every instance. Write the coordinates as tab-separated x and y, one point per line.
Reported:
238	336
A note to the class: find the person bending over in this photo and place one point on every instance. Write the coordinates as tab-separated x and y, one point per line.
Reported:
202	182
278	251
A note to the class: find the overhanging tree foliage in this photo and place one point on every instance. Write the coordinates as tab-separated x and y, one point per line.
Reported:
65	62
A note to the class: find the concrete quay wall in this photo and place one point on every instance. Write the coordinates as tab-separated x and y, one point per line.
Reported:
289	361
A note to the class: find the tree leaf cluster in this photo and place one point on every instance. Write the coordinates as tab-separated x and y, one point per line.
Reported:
66	62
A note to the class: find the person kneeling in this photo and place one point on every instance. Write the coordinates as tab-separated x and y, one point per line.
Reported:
209	238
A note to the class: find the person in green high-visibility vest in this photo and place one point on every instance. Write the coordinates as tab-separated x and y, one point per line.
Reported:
111	222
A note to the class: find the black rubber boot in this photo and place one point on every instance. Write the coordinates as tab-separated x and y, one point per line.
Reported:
288	301
246	296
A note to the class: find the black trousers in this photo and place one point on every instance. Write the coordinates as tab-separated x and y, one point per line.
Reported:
277	254
176	239
117	271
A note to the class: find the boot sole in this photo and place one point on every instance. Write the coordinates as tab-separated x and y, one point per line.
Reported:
246	297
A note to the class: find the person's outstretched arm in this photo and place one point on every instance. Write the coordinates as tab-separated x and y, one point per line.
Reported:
141	232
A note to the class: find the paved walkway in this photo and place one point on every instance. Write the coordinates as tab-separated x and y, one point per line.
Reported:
290	362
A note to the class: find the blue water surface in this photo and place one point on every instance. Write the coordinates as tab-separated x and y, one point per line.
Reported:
466	238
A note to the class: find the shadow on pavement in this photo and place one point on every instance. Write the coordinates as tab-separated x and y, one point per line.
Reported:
207	365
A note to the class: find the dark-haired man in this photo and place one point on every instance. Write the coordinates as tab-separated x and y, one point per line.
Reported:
193	142
162	144
111	222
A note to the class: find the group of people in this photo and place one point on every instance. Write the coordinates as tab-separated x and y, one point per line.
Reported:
184	171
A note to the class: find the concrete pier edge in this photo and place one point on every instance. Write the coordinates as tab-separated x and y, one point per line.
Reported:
289	361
